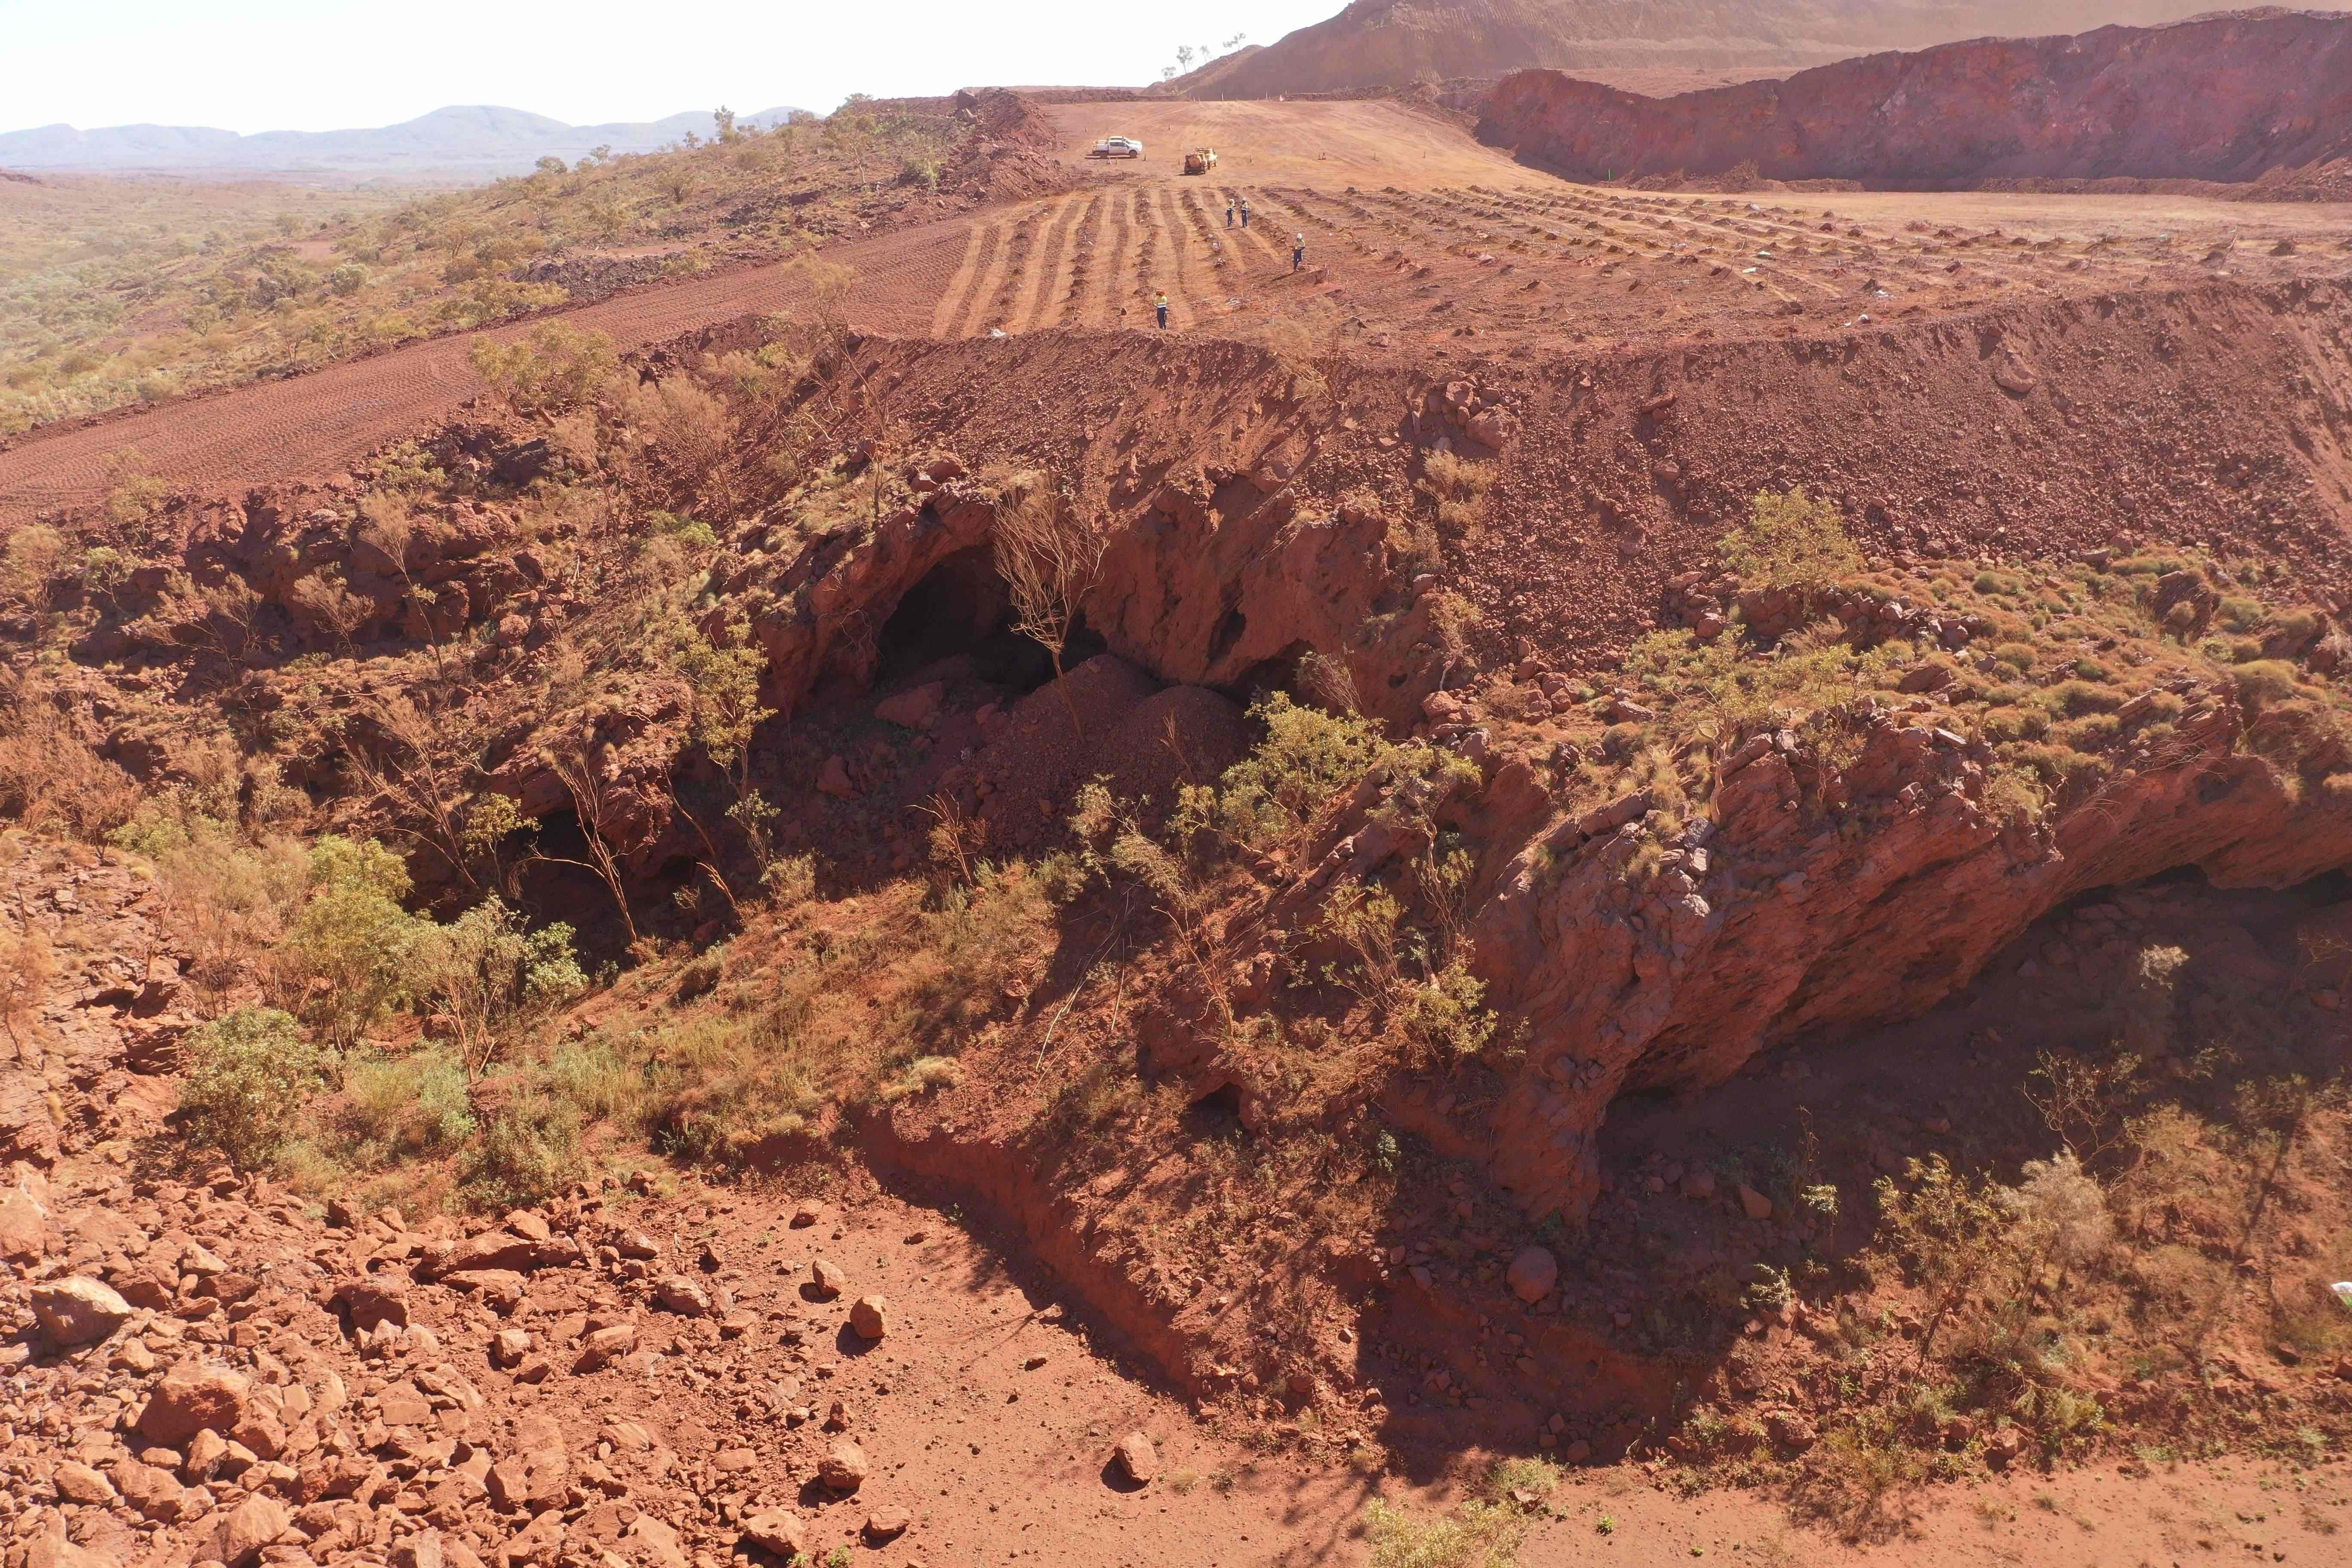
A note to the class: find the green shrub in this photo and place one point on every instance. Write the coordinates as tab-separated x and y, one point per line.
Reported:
1447	1017
2073	698
1620	742
596	1076
2017	656
1306	757
558	366
689	531
1790	538
2015	724
1537	1478
415	1104
2240	614
251	1076
709	1087
489	973
2090	730
528	1153
1478	1535
351	953
2054	765
2265	681
2296	626
921	1075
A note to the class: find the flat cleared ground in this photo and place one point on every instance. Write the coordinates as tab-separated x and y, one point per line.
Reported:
1317	143
1420	244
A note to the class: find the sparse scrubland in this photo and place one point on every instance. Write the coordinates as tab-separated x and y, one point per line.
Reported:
99	280
1874	1021
115	292
1248	1038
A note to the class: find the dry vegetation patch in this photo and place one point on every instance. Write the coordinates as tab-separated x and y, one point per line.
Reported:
120	291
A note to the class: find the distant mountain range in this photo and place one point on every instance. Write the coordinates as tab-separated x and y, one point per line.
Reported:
481	142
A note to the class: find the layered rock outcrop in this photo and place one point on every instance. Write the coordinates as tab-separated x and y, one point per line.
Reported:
2229	97
1647	957
1391	43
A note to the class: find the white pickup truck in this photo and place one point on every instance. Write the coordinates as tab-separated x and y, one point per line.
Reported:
1118	147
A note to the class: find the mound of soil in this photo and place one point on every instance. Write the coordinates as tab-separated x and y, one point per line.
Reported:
2231	97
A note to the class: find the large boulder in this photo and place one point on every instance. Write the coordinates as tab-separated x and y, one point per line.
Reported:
239	1536
1137	1460
375	1299
154	1491
657	1541
76	1482
844	1468
503	1249
79	1312
499	1290
779	1531
194	1397
606	1345
51	1549
24	1228
1533	1274
537	1472
680	1294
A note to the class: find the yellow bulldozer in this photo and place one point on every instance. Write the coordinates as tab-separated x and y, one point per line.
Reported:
1200	160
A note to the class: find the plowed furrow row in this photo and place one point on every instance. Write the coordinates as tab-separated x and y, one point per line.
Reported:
1050	269
949	313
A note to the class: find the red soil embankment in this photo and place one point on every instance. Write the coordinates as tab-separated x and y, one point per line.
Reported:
2225	97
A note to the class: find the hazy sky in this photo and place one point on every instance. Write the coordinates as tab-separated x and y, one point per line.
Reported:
321	65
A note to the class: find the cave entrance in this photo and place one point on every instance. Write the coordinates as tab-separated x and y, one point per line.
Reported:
1216	1114
954	607
962	607
552	881
1309	679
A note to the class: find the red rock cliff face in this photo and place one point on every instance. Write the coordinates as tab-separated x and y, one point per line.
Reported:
2224	98
1769	925
1392	42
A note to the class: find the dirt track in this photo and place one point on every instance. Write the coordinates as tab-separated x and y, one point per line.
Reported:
1422	246
323	421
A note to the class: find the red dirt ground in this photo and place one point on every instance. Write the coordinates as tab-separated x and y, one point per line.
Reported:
987	1412
1416	235
1422	248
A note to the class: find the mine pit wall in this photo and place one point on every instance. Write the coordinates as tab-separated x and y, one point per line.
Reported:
2219	413
1208	463
2229	97
2040	428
